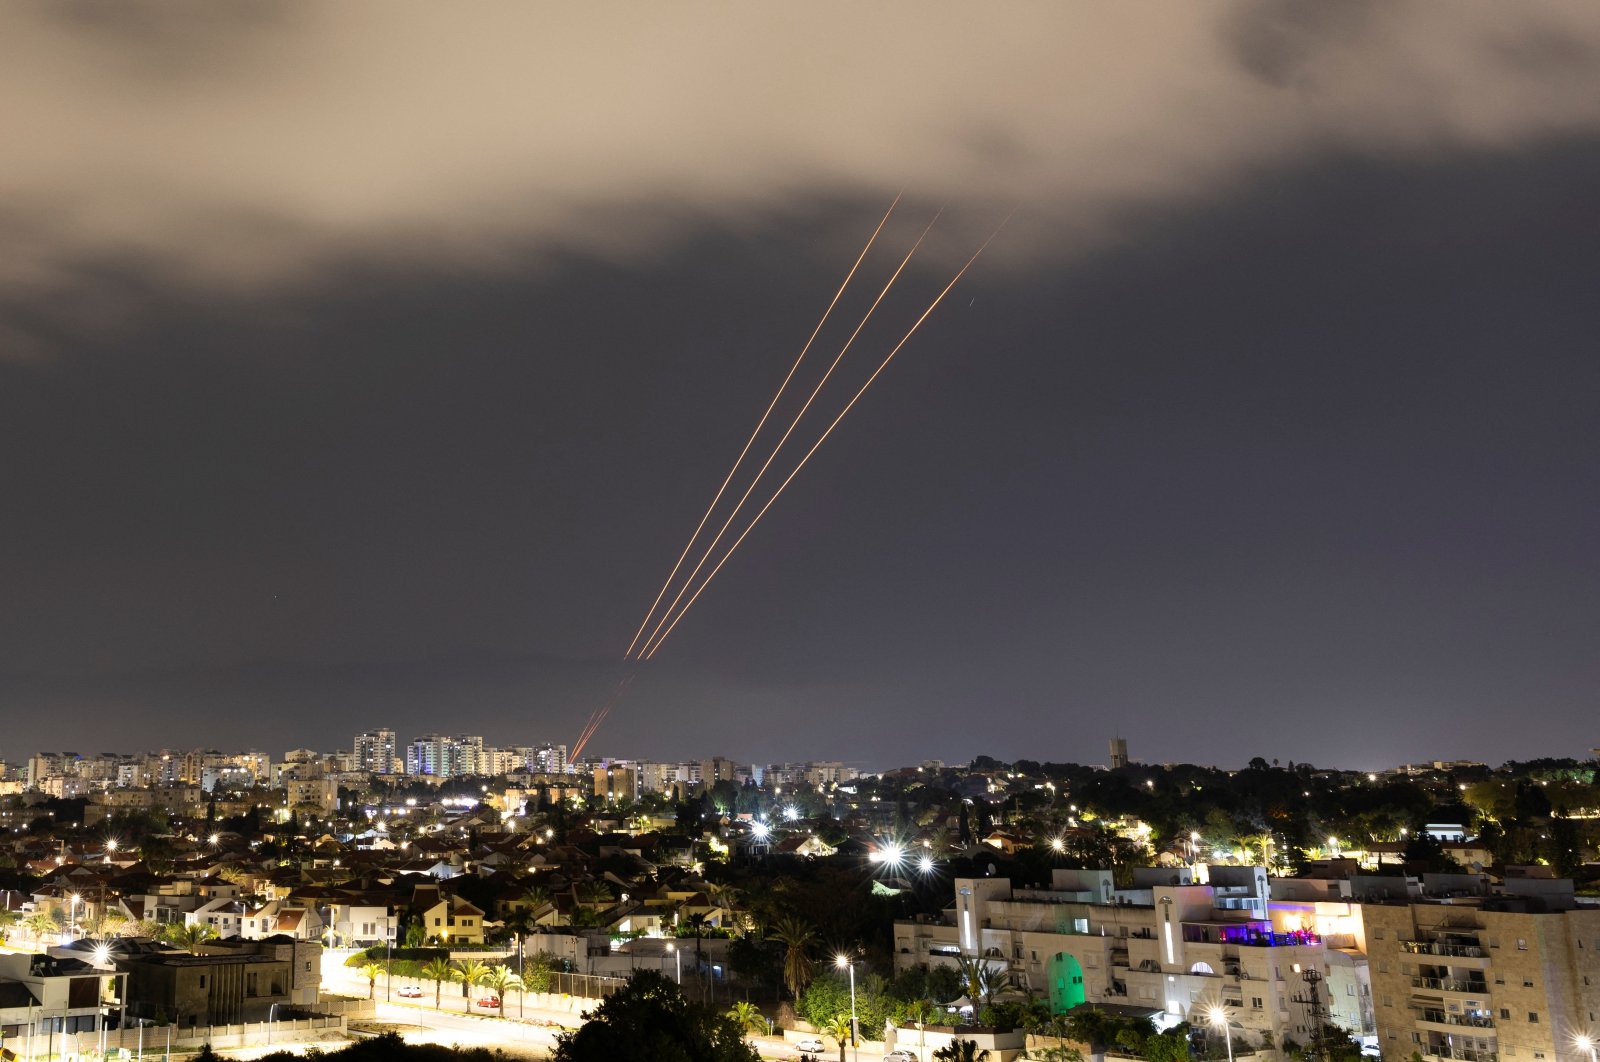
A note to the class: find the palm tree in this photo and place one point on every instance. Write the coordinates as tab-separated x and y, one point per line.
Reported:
187	936
371	971
500	980
438	970
797	938
697	923
981	979
40	924
470	972
519	923
537	900
962	1051
837	1027
748	1016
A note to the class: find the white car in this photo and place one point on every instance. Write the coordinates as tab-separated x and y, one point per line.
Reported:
812	1046
900	1056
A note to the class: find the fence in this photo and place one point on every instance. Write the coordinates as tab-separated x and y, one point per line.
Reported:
591	986
250	1034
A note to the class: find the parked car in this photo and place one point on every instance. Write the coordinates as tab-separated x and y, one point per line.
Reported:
812	1046
489	1003
409	992
900	1056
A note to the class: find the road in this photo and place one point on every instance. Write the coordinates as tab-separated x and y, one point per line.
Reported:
457	1020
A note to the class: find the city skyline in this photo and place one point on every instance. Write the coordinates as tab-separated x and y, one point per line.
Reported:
342	387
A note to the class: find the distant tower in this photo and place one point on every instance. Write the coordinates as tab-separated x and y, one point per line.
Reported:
1119	752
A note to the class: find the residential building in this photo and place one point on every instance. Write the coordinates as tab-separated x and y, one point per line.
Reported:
1166	945
375	752
1463	971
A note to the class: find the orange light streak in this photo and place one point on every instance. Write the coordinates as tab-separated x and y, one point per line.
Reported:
788	432
759	425
651	647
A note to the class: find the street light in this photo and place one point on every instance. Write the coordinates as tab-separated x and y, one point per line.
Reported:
72	926
677	962
272	1012
1219	1019
845	963
1585	1042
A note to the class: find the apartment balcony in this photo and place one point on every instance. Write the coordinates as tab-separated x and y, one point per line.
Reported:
1446	1053
1435	947
1445	1022
1450	984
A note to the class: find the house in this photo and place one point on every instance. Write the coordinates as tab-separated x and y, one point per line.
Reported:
225	982
281	917
55	996
223	914
451	919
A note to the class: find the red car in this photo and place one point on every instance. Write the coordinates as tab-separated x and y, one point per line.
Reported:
489	1003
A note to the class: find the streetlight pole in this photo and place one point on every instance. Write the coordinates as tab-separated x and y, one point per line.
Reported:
677	962
850	965
272	1012
388	961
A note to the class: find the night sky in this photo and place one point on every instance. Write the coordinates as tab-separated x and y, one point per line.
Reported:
363	370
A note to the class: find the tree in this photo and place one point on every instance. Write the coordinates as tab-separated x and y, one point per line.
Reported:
500	980
40	924
981	980
187	936
438	970
371	971
648	1021
748	1016
839	1028
797	938
962	1051
519	923
470	972
696	923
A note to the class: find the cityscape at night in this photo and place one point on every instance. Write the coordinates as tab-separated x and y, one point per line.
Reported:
932	533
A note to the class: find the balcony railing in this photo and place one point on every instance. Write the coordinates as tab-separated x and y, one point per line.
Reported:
1464	1054
1440	1017
1433	947
1450	984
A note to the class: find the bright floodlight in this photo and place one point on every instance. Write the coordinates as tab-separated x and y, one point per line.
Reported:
1217	1016
1583	1042
215	838
840	961
111	844
102	954
892	855
760	829
1058	844
791	813
925	864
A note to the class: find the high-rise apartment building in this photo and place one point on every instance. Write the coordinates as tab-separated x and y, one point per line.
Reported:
433	755
375	751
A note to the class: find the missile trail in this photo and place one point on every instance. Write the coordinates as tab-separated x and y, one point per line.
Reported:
599	716
655	644
789	431
759	425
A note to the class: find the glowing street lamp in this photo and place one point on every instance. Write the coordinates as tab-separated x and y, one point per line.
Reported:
677	962
1584	1042
844	962
1218	1018
925	864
